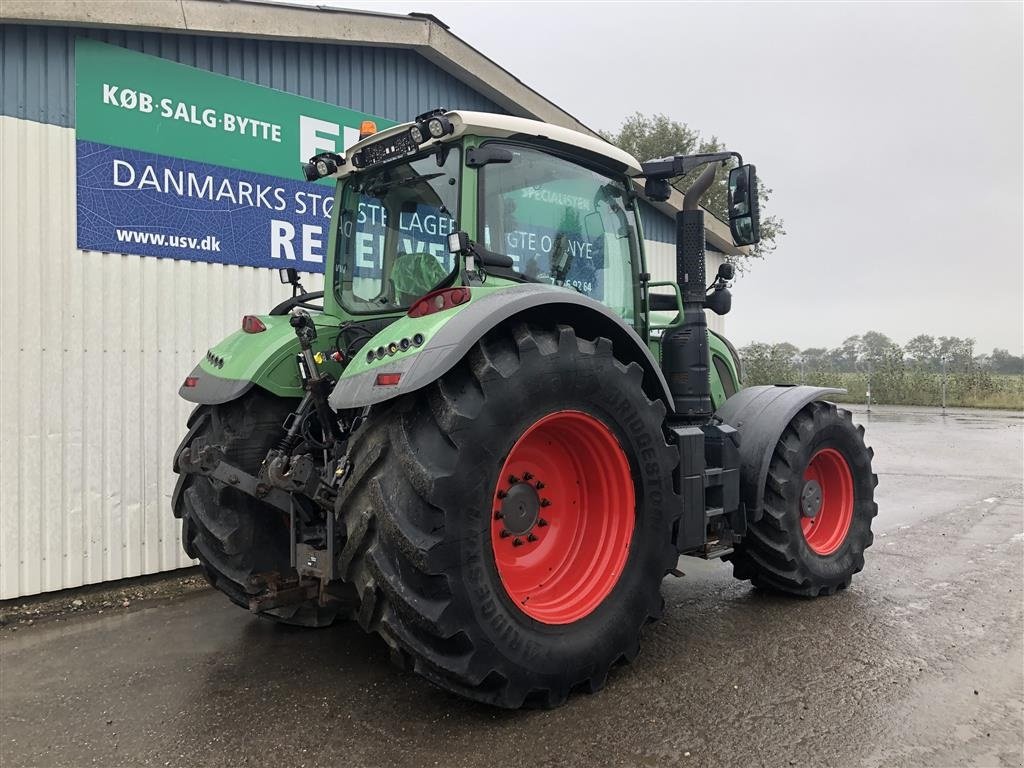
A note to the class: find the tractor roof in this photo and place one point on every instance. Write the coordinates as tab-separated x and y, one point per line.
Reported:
506	126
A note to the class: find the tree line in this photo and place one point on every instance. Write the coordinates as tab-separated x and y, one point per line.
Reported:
927	370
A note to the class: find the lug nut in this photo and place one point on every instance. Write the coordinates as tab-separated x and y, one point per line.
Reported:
502	494
517	542
505	534
512	479
539	485
527	476
541	522
531	537
545	502
498	515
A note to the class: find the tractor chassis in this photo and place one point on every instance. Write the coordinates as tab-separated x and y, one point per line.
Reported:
313	566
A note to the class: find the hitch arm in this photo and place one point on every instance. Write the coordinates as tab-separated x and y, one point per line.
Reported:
203	458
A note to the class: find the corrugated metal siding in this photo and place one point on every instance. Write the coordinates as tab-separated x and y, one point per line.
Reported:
94	346
657	226
37	71
661	263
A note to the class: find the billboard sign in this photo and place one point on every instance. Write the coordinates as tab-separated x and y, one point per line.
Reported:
177	162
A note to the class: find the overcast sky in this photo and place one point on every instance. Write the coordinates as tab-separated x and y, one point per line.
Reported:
891	134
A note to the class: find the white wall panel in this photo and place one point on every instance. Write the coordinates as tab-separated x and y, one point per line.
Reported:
661	263
93	348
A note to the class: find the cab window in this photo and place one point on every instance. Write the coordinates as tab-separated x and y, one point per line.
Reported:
561	223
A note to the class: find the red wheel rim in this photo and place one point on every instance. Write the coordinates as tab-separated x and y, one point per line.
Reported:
563	516
826	501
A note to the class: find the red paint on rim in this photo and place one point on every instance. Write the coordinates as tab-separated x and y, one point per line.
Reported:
826	532
575	552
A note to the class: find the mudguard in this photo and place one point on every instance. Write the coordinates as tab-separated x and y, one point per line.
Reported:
446	344
760	414
265	359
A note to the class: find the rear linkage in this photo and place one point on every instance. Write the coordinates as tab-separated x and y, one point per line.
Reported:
283	476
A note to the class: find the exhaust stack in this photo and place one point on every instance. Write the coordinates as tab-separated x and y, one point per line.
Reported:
684	350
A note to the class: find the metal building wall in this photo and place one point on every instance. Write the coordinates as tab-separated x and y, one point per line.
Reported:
37	71
94	345
660	248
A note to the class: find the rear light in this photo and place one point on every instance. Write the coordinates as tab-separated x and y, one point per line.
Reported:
388	379
191	381
437	301
252	324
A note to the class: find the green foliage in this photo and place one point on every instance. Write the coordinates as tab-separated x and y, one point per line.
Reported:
908	375
1001	361
651	137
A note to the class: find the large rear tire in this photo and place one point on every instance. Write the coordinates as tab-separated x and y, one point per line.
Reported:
233	535
446	547
818	508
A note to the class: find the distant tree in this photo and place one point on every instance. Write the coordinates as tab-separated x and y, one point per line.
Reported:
850	352
649	137
874	346
1001	361
814	357
958	353
786	351
835	358
768	363
923	350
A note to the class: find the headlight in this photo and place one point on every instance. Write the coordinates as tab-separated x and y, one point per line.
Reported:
439	126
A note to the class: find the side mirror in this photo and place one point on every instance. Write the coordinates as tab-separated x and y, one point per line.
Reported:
744	211
720	301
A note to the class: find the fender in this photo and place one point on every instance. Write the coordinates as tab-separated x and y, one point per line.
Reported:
267	359
453	333
760	414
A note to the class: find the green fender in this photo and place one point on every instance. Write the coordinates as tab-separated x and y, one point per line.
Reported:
265	359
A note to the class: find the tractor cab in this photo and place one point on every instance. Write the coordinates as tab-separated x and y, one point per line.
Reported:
564	215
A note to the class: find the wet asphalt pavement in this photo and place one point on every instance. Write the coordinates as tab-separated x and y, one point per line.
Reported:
919	663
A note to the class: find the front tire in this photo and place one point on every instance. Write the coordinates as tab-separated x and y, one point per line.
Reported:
445	547
818	507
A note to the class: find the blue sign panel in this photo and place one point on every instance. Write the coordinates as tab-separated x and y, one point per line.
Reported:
136	202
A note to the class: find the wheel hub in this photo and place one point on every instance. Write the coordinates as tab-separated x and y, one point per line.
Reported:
520	508
810	499
826	501
560	534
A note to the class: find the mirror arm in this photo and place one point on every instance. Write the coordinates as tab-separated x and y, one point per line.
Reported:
680	165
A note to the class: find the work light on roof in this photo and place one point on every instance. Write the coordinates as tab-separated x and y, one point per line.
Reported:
439	126
324	164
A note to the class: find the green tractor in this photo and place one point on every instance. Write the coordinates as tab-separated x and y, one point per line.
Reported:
488	440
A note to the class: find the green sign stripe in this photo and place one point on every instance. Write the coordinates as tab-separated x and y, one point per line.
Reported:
132	100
